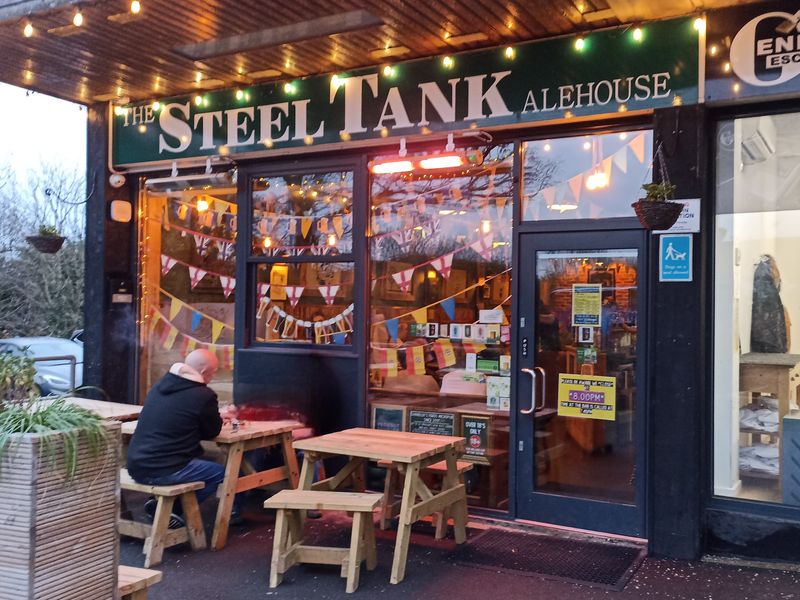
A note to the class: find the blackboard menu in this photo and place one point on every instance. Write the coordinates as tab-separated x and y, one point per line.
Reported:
388	418
437	423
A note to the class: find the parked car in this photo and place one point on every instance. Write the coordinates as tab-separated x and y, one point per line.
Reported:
52	376
77	336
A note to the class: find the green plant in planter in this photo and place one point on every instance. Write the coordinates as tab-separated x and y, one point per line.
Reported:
48	231
21	412
659	192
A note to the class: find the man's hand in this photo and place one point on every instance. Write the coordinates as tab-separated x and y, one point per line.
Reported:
228	413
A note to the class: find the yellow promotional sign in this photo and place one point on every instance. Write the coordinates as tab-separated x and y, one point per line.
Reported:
587	304
587	396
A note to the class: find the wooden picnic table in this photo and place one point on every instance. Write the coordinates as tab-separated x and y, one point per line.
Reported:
251	435
411	452
116	411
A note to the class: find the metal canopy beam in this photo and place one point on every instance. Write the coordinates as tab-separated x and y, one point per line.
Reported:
275	36
14	9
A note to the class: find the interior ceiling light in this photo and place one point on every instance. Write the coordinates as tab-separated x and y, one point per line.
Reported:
353	20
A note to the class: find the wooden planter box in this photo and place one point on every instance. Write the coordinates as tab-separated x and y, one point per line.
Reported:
58	539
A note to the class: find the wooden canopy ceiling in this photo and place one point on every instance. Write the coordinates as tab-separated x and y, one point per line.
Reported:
117	54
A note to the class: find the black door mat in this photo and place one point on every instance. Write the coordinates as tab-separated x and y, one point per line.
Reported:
607	566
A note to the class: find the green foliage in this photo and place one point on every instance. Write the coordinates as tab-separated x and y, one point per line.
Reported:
658	192
16	378
48	231
22	412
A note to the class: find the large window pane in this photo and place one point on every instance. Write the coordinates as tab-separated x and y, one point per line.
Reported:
440	305
585	177
757	288
187	254
310	303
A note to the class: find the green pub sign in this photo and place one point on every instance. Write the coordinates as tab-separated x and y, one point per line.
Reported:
499	87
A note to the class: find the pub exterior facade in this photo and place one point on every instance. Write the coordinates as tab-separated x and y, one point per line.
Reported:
448	245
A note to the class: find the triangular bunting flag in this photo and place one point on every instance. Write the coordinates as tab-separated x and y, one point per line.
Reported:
196	275
196	317
305	225
420	315
174	308
606	164
216	329
169	341
403	279
392	327
191	346
499	206
166	264
329	292
183	210
415	360
575	186
449	306
443	264
484	246
263	288
391	362
549	195
445	356
637	147
338	226
293	292
228	284
621	159
292	226
322	225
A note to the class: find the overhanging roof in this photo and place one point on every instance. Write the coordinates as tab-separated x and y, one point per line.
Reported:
116	54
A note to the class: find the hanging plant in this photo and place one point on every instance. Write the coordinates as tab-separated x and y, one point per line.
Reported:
48	240
657	210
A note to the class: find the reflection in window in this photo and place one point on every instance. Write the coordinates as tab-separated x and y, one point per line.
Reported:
187	254
305	302
440	304
299	215
585	177
757	288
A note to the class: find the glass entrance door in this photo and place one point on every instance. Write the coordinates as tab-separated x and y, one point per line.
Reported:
580	381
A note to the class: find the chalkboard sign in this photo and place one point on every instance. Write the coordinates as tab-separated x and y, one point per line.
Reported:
437	423
391	418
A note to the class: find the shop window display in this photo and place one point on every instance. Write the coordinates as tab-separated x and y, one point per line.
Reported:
440	247
187	280
301	250
757	354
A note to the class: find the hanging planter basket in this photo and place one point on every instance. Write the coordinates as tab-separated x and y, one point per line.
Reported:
47	244
655	214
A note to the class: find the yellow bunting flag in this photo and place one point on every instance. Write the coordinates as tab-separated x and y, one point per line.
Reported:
445	355
174	308
338	226
220	206
322	225
154	321
170	339
391	362
420	315
216	329
191	345
415	360
305	225
232	208
182	210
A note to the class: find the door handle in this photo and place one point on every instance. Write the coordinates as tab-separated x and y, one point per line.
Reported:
544	386
532	373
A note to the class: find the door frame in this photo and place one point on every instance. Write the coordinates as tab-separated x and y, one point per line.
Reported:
571	510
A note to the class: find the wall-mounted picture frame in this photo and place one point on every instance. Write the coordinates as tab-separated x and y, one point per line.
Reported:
585	334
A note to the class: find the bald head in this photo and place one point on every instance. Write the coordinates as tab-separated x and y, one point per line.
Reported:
204	362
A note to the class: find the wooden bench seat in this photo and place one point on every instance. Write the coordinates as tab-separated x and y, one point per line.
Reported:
288	548
390	506
158	536
132	582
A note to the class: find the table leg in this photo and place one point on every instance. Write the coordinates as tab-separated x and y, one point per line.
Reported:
459	508
404	525
307	472
227	494
290	460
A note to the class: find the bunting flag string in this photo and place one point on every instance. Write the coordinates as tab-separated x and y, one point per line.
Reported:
183	304
188	343
206	236
342	320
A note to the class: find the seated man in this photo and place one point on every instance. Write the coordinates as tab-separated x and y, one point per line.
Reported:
179	411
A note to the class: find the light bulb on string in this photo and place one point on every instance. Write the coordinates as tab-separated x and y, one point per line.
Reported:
27	31
136	7
580	44
267	243
332	239
202	205
77	19
486	226
637	34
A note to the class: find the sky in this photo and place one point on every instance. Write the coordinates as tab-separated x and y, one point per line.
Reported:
35	128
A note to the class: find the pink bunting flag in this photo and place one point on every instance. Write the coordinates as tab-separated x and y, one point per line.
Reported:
403	279
166	264
444	264
293	292
196	275
329	292
228	284
484	246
